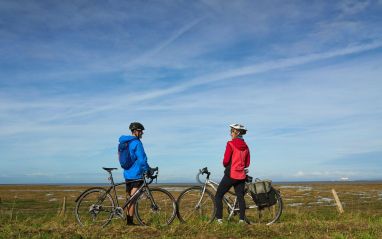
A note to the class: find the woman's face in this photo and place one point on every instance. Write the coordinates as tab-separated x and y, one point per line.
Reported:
234	133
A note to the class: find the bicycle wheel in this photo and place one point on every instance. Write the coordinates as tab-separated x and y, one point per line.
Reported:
94	207
267	215
193	205
155	206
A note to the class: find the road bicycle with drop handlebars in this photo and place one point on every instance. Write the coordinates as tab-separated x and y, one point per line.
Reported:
97	206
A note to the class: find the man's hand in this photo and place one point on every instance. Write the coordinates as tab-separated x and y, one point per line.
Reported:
152	171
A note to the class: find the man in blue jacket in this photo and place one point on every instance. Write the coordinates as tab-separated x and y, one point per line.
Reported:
140	165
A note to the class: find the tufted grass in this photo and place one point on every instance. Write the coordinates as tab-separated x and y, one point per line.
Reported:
309	212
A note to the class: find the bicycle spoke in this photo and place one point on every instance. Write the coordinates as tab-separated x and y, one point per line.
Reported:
91	211
198	209
267	215
195	206
158	210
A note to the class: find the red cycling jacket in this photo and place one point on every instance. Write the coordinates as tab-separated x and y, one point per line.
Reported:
236	158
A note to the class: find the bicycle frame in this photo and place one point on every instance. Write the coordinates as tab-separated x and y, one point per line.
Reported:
231	205
133	197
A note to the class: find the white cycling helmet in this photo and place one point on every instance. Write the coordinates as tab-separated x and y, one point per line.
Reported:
238	127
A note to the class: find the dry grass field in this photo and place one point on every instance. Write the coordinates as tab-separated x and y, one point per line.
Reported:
309	212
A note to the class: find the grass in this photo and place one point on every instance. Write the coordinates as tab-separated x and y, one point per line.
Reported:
309	212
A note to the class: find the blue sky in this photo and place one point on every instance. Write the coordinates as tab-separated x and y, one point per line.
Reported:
304	77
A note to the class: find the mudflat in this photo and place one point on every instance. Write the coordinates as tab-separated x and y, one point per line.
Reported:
310	211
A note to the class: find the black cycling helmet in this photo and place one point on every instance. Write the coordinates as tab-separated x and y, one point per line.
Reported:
136	126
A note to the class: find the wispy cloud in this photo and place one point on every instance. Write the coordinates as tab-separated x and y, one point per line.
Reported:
141	60
353	7
303	77
231	74
333	175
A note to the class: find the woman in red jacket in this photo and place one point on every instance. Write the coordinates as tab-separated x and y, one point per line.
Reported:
236	159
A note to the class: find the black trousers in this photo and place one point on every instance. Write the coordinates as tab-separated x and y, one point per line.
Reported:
224	187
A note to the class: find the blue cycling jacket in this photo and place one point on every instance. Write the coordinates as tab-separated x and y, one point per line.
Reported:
137	154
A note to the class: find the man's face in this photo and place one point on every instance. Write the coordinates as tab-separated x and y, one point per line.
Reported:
138	133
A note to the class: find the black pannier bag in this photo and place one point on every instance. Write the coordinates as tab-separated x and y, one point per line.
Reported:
262	192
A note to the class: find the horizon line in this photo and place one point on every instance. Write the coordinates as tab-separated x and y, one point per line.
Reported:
169	183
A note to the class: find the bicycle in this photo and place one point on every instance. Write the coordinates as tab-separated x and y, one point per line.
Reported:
153	206
198	204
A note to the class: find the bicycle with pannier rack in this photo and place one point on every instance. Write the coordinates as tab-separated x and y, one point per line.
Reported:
263	202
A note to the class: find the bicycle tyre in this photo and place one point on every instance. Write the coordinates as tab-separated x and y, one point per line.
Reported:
94	207
188	210
267	215
163	213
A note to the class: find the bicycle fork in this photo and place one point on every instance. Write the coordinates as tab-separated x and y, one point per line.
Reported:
197	206
154	206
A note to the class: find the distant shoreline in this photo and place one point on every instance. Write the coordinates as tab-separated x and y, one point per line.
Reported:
193	183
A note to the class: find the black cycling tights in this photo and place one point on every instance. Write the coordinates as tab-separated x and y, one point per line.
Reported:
224	186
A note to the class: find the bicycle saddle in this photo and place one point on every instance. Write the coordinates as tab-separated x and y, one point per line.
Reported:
109	169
